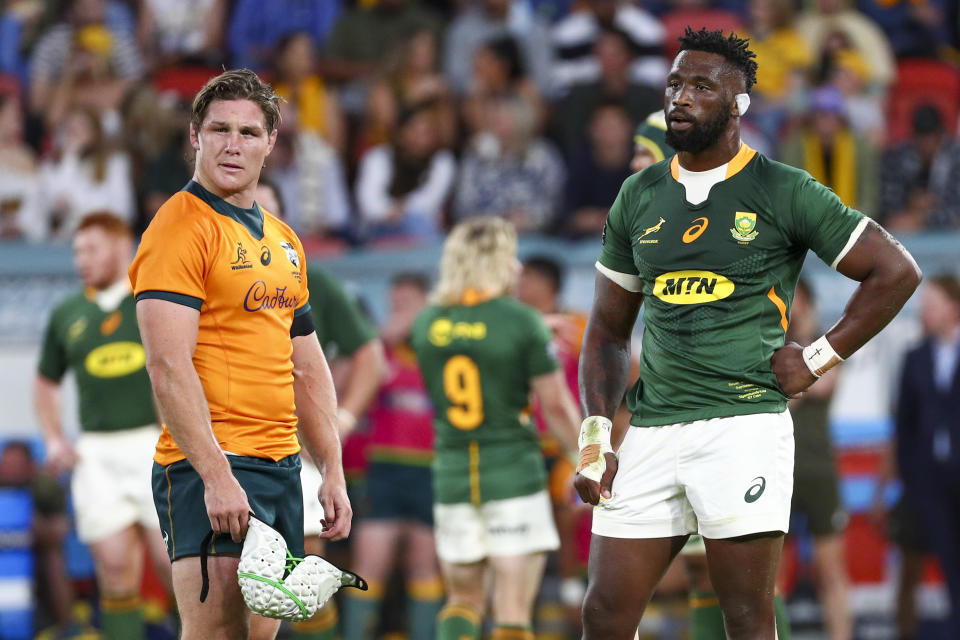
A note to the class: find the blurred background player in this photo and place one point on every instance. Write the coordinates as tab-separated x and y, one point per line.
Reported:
482	354
816	487
928	432
94	333
351	345
398	514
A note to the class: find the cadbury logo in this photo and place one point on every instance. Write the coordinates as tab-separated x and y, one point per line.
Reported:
258	298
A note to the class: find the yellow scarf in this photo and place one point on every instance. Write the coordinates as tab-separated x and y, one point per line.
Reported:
311	103
843	178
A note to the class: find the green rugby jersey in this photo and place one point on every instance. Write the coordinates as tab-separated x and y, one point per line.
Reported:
107	358
341	325
477	362
718	280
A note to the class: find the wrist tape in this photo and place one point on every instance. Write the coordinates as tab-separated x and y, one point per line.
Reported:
820	357
594	442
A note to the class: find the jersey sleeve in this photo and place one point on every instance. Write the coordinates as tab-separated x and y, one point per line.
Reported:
616	253
304	284
337	317
171	262
53	357
541	353
822	222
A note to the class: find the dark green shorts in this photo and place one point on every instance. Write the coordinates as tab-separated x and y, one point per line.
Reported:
816	495
399	492
273	490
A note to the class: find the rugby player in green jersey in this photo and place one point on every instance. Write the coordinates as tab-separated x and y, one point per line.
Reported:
706	619
94	332
482	354
711	243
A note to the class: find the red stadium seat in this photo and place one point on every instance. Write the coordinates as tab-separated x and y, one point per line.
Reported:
676	22
922	82
183	81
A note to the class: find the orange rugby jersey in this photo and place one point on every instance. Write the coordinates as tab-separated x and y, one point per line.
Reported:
245	271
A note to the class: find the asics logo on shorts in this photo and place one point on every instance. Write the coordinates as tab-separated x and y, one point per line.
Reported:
756	490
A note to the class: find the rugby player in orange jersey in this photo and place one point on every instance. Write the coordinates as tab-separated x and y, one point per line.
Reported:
236	367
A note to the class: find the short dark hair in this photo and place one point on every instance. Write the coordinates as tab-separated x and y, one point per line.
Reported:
506	49
732	48
547	268
804	287
237	84
414	279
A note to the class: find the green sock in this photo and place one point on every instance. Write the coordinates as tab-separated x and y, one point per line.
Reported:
706	618
322	626
783	620
361	612
122	618
458	622
424	601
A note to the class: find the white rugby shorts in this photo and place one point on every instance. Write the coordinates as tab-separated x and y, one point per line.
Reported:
514	526
721	478
111	483
311	480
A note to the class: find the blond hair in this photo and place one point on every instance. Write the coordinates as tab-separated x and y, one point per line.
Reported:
478	256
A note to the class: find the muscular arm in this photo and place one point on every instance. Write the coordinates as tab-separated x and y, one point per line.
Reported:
48	408
317	413
605	370
888	276
169	334
368	366
559	408
605	357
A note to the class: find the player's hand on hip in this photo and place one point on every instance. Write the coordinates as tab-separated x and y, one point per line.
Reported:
792	372
227	507
61	456
337	512
591	491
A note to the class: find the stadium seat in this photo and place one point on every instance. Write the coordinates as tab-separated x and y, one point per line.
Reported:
922	82
675	22
185	82
16	564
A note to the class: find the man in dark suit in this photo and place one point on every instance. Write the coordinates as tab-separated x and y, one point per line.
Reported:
928	429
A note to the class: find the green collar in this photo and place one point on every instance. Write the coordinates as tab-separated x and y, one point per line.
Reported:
251	218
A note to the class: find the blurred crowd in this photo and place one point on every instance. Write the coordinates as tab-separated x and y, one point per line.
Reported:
403	117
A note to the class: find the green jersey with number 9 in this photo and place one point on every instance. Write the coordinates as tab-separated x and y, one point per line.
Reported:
477	362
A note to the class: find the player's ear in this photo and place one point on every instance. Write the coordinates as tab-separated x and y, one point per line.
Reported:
194	138
271	140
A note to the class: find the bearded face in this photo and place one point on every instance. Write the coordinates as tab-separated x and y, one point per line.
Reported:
687	133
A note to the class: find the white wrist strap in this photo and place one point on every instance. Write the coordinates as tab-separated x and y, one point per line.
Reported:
594	442
820	357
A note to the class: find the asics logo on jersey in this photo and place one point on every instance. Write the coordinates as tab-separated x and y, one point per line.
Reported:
652	229
257	298
692	287
697	227
756	490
